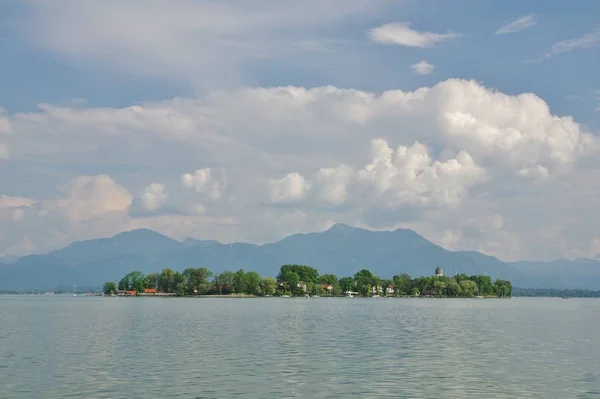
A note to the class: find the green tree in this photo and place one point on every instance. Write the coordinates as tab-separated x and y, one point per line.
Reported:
124	284
165	281
218	284
306	274
152	280
365	281
318	290
253	283
178	284
224	282
439	287
330	279
402	283
346	284
502	288
453	288
269	286
239	282
364	274
196	280
468	288
484	284
133	281
138	281
109	288
290	280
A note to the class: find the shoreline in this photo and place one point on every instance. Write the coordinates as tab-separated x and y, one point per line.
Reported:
235	296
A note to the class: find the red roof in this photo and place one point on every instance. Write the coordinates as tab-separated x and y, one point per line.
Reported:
150	291
131	292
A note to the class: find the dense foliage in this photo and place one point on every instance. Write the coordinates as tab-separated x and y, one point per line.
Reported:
300	280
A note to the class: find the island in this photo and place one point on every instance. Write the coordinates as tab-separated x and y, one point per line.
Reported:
305	281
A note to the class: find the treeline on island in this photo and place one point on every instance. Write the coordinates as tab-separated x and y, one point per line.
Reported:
301	280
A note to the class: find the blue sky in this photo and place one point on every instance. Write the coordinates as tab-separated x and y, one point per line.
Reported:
91	61
31	75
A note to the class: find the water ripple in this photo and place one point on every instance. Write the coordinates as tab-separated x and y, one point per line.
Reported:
65	347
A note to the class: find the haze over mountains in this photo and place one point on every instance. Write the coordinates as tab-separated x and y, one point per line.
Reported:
342	250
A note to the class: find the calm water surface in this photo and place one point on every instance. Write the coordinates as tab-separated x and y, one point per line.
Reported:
91	347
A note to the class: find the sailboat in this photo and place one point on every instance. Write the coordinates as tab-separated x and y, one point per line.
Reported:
74	294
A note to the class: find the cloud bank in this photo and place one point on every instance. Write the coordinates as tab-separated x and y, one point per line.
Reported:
450	161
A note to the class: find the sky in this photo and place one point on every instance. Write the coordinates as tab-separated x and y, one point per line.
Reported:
475	123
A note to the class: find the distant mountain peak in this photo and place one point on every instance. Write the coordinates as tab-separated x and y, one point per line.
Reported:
189	242
138	232
341	227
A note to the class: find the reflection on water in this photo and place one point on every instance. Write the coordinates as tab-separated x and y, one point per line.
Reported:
87	347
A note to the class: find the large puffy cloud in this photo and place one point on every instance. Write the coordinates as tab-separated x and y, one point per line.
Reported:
154	196
237	128
205	181
407	176
457	146
89	206
291	188
92	197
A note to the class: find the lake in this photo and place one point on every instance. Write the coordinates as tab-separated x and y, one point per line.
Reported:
94	347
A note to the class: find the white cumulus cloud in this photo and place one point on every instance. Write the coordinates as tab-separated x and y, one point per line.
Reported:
91	197
291	188
406	176
204	181
154	196
422	68
401	34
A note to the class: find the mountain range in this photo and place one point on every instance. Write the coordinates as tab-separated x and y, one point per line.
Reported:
342	250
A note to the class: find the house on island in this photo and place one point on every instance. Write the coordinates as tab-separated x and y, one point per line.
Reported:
150	292
376	290
328	288
302	286
390	290
126	293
